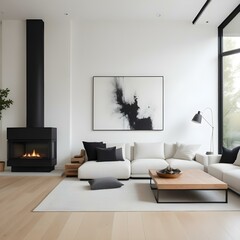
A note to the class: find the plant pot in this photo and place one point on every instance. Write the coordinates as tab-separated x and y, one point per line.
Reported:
2	166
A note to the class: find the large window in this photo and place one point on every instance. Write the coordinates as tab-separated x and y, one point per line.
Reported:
229	81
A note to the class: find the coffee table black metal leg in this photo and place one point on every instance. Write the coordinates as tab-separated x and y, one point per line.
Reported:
156	196
151	185
226	199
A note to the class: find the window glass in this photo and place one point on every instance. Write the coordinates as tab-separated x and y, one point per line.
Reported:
231	100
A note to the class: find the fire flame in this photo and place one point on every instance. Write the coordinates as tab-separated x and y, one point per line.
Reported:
33	154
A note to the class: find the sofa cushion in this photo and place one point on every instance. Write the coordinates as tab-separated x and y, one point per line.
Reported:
237	161
184	164
232	178
106	154
142	166
104	183
186	151
169	150
229	156
94	169
148	150
91	151
218	169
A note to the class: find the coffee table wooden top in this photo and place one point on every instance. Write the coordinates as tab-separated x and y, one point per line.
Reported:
189	179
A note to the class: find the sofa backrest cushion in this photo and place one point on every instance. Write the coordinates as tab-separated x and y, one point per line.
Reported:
186	151
148	150
237	161
129	151
169	150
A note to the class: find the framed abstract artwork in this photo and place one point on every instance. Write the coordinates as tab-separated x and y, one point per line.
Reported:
128	103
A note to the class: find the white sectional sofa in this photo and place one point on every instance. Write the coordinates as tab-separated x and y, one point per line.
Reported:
140	157
226	172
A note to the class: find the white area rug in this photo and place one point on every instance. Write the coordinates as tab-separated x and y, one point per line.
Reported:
136	195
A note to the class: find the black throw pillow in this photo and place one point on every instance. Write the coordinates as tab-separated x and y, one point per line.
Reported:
106	154
91	150
229	156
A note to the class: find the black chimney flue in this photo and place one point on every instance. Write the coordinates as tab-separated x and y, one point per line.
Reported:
35	73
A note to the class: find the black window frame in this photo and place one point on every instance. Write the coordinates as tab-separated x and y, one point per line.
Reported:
221	54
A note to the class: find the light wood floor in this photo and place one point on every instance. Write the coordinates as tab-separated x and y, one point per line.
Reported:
20	195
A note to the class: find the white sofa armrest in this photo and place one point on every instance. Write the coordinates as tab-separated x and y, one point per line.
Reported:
214	159
202	158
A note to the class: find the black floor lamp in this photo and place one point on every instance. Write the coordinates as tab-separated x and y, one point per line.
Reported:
198	119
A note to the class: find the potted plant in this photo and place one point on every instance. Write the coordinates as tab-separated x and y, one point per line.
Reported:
4	102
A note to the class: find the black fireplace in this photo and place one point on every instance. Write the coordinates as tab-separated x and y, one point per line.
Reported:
34	148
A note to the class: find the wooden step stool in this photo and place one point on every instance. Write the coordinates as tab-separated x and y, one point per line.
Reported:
71	169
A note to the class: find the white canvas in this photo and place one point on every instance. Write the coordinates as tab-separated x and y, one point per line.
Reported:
142	93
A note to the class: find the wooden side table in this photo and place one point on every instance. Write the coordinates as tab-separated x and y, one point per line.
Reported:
71	169
2	166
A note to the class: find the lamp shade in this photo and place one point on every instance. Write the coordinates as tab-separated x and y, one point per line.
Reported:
197	117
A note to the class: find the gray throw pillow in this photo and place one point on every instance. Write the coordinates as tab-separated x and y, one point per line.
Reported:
104	183
119	156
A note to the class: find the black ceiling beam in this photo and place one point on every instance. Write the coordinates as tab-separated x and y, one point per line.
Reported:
201	11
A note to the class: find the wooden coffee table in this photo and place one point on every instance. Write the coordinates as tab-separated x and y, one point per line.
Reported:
192	179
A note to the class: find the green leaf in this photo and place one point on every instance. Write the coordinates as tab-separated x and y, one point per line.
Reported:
4	102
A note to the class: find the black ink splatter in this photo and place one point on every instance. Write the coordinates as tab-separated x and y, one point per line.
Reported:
130	110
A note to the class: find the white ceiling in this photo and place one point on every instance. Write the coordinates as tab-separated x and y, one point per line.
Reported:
137	10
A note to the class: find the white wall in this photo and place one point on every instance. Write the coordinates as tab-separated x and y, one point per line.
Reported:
185	54
57	84
13	76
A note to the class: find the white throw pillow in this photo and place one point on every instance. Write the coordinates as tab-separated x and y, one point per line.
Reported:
148	150
186	151
237	161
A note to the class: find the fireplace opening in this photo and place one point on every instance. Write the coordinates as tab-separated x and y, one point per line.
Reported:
32	150
34	154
